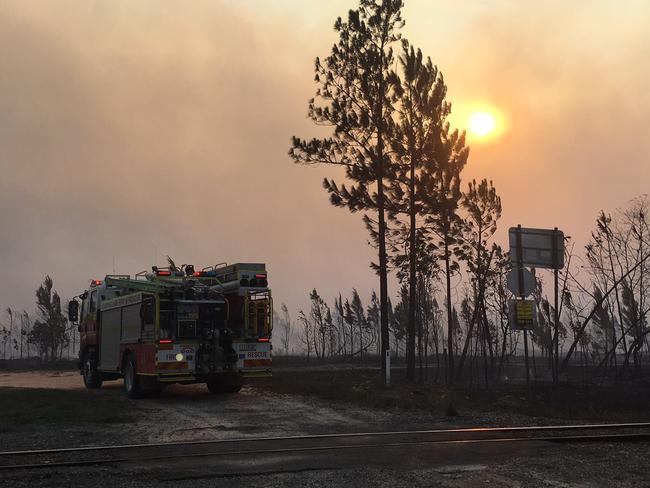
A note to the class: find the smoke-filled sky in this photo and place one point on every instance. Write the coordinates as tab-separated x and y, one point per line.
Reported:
130	130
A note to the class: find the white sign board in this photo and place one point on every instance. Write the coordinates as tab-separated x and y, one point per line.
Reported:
539	248
512	280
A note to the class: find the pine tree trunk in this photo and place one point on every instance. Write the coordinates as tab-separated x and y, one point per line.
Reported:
360	341
485	362
383	271
450	338
419	327
488	335
410	367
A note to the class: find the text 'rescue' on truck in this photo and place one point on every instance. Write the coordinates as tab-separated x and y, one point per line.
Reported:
176	325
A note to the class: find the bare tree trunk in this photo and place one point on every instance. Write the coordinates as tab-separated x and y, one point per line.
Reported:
383	265
450	332
410	367
485	362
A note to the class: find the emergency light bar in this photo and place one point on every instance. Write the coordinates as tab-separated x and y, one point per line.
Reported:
205	274
166	272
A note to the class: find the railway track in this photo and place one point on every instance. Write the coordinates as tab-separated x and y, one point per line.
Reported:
260	446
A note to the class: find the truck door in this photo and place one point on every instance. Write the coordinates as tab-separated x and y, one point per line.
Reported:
111	325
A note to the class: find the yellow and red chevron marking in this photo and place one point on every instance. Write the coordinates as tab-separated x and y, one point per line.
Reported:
256	363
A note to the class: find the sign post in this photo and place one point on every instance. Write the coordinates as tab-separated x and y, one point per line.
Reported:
387	368
520	273
556	363
540	248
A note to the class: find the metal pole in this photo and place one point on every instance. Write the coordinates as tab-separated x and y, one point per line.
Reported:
557	332
520	270
387	368
556	371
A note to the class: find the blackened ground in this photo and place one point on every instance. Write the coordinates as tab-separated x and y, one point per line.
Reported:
625	402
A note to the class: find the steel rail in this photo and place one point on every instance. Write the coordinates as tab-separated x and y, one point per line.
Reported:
539	428
555	439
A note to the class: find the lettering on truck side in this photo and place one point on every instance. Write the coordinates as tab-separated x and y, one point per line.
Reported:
256	354
167	356
172	357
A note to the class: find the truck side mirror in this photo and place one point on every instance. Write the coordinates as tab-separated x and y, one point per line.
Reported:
73	311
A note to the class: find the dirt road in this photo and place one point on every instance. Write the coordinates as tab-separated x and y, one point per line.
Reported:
59	380
190	412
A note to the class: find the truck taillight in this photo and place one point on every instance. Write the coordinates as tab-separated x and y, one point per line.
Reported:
205	274
165	341
263	339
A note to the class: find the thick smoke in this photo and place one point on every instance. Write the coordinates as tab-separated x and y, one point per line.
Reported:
132	130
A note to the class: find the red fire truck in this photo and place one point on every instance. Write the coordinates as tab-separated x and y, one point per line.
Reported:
175	325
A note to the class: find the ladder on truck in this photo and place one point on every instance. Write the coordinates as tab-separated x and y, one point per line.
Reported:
156	284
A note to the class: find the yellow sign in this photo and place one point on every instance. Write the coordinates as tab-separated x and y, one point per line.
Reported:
522	313
525	312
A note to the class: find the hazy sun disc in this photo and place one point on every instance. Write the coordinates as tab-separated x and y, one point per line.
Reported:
482	124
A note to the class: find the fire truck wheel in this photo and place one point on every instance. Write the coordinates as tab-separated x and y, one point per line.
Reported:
232	388
224	385
131	379
92	377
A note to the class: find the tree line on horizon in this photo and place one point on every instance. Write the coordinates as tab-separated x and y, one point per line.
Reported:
46	335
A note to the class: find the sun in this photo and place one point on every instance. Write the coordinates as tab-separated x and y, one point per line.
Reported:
482	124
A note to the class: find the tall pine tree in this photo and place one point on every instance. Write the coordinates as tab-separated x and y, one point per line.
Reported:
354	99
441	194
420	98
49	331
483	207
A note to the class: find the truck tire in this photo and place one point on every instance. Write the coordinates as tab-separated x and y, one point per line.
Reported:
92	378
132	384
232	388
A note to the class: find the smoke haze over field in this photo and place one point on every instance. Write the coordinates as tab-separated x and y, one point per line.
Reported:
133	130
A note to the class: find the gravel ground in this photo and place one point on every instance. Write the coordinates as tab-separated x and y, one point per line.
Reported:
575	466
